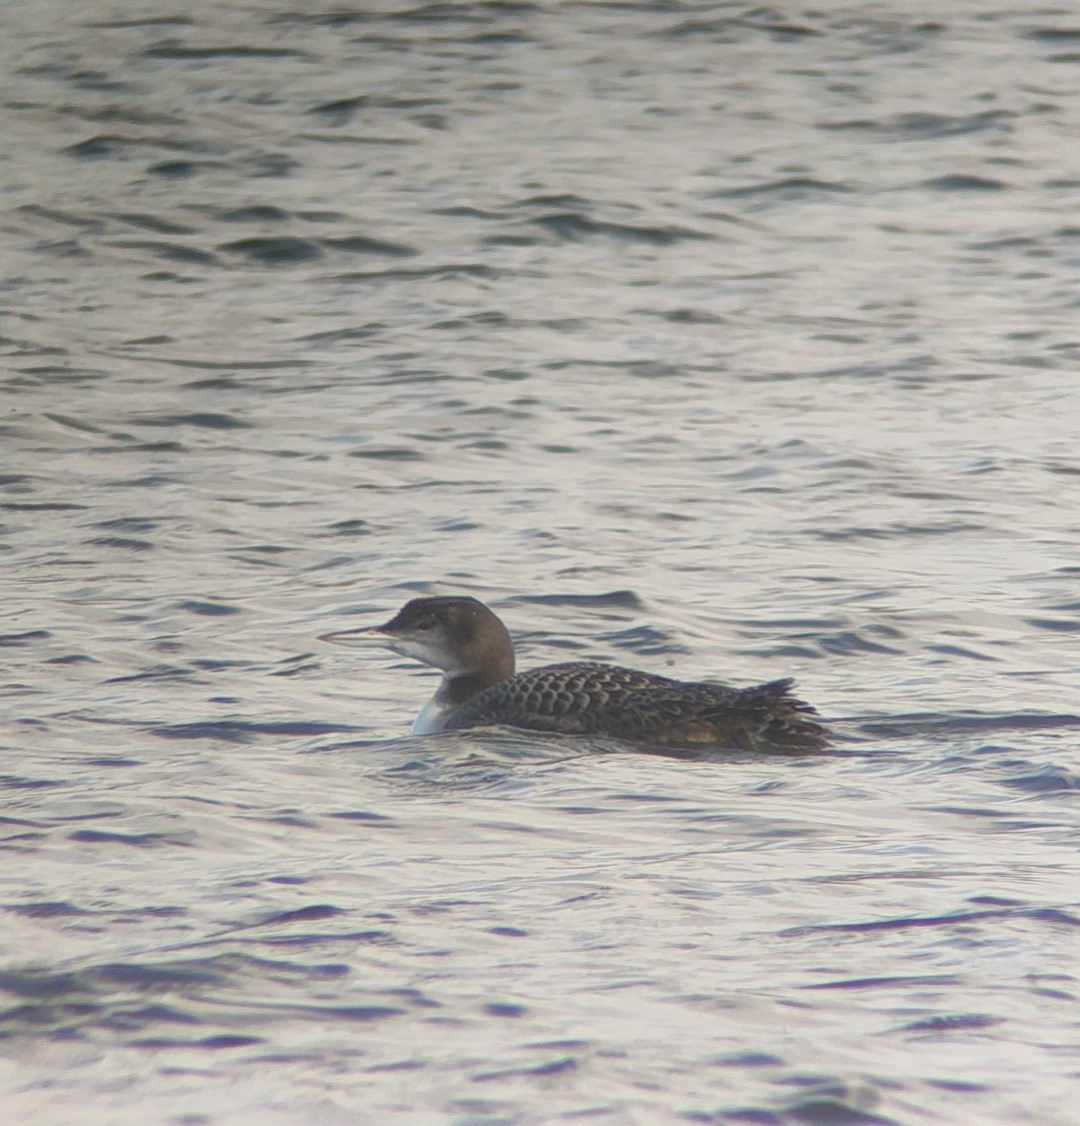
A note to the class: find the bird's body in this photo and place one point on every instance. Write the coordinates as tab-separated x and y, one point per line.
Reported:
592	699
471	645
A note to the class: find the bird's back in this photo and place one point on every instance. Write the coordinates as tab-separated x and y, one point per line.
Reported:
593	699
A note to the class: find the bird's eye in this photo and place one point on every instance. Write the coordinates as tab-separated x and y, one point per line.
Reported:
426	623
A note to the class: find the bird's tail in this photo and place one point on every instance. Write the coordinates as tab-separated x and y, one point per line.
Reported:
783	722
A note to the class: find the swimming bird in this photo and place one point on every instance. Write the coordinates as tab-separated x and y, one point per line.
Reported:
469	643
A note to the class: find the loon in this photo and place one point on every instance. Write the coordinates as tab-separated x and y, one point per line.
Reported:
479	688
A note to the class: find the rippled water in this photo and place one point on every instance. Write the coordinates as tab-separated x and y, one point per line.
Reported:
714	339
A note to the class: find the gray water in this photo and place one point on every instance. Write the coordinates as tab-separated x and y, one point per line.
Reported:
714	339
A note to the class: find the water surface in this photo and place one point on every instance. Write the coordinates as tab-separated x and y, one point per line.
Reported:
713	339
